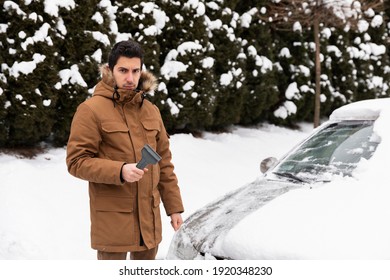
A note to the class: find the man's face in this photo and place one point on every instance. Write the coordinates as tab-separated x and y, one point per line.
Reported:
127	72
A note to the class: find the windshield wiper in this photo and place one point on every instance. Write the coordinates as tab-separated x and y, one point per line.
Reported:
290	176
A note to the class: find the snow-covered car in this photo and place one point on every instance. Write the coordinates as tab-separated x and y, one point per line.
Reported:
328	198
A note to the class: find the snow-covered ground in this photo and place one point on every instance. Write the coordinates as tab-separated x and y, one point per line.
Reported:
44	211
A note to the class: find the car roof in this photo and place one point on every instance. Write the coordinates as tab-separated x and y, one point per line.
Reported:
361	110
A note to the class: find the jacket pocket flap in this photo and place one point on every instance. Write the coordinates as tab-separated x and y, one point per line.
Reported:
114	127
113	204
151	125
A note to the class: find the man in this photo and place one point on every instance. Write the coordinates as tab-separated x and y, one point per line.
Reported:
107	135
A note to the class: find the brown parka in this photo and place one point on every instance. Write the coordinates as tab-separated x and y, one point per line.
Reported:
109	130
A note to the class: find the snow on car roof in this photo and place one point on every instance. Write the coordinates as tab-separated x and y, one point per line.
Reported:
361	110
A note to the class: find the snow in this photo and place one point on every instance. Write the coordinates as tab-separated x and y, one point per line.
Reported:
246	20
72	75
40	35
188	47
348	210
196	4
46	102
335	50
61	27
7	104
287	108
174	109
159	16
304	70
215	24
377	50
357	110
52	6
265	63
292	91
285	52
377	21
22	34
226	79
363	26
208	62
97	55
45	211
261	61
3	27
297	27
212	5
34	16
171	69
98	18
10	5
26	67
100	37
189	85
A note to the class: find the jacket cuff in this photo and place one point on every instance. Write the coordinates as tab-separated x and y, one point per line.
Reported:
120	174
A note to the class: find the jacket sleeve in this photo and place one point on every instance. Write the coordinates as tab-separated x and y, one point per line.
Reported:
168	184
83	148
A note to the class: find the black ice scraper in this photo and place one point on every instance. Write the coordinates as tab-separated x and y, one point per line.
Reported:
149	156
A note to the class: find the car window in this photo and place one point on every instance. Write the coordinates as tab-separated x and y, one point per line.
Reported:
335	149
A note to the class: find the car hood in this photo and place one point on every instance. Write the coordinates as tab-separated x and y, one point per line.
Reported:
343	219
209	225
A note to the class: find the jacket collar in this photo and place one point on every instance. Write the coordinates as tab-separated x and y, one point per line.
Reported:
107	87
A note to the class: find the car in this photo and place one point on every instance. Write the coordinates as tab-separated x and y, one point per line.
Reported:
328	198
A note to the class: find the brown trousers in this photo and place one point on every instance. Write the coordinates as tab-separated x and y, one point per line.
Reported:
141	255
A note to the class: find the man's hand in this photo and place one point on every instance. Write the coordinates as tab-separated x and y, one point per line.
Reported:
176	221
130	173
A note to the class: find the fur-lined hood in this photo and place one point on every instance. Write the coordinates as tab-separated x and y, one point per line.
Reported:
106	88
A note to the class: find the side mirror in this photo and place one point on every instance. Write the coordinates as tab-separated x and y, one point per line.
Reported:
267	164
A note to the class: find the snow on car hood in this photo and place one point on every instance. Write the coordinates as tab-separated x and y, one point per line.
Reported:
345	219
204	228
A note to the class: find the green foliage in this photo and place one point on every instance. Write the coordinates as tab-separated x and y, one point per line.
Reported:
82	45
28	69
261	76
3	113
228	67
185	50
340	70
218	63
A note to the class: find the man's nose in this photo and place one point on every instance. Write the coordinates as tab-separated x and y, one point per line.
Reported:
129	77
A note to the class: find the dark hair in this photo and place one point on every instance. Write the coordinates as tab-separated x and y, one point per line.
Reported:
127	48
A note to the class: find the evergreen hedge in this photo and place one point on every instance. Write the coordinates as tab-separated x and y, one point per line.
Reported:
231	67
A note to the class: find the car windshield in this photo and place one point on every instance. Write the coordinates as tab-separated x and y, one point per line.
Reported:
335	149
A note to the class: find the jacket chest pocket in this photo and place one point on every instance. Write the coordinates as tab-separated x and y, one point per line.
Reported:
115	133
152	130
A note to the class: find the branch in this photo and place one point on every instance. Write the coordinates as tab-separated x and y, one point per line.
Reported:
336	13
